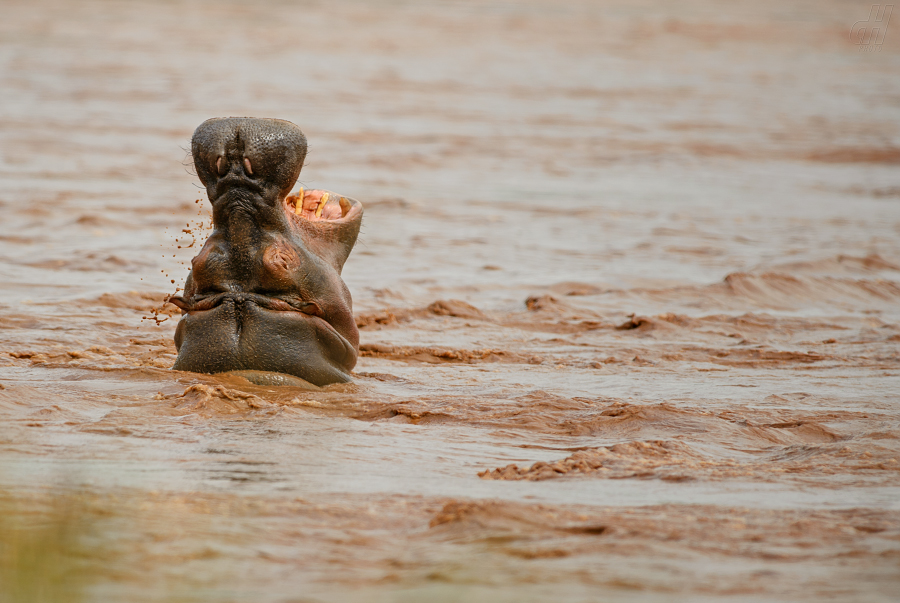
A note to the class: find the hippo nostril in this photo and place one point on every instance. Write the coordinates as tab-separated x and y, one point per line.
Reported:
220	165
247	165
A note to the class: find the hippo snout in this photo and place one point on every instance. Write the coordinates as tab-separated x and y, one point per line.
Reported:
268	151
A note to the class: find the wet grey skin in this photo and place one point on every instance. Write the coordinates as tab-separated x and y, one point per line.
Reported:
265	292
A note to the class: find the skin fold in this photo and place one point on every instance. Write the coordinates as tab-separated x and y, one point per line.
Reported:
265	292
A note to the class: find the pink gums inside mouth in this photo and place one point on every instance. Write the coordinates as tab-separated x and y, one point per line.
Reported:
317	205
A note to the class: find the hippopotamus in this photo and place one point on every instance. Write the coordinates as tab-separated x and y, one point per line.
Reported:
264	295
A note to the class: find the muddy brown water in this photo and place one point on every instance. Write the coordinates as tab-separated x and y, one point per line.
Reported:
628	289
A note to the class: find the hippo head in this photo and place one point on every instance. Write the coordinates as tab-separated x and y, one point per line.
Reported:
265	292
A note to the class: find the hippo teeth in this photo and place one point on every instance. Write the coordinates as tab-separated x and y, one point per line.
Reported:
321	206
316	210
298	204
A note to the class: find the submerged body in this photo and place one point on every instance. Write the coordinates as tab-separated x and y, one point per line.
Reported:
265	292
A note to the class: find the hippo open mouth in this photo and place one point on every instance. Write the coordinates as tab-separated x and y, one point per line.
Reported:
265	292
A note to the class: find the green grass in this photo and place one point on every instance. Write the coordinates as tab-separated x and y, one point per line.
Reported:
44	555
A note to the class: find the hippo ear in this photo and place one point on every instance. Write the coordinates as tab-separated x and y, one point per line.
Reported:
333	240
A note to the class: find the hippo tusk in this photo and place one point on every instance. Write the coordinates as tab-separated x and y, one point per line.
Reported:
321	206
298	204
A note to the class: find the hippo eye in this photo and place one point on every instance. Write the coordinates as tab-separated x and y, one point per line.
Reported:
247	165
220	165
